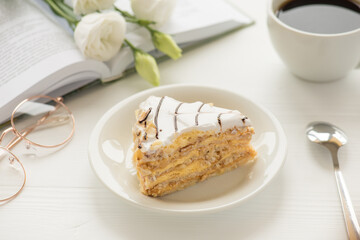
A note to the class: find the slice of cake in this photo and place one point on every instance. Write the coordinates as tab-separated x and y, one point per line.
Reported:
177	144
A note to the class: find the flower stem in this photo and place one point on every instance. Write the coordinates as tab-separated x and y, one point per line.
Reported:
133	48
63	10
131	18
67	10
58	10
124	13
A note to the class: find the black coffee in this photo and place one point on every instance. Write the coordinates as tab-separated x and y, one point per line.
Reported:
321	16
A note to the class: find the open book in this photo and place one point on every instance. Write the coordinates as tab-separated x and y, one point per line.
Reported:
39	56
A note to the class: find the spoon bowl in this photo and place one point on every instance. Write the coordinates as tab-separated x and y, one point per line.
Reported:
325	133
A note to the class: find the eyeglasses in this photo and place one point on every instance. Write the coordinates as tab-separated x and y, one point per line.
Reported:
41	121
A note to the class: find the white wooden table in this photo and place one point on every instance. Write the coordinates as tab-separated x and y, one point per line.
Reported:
63	199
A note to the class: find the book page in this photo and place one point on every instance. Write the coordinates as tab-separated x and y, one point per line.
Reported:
36	55
191	21
191	15
26	38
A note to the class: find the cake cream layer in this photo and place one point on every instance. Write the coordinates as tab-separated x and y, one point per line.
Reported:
195	177
162	119
194	166
180	164
183	148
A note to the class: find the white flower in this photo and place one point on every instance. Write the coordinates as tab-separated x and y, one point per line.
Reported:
100	35
154	10
90	6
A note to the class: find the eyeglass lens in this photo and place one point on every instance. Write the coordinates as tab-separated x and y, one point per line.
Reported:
43	122
12	175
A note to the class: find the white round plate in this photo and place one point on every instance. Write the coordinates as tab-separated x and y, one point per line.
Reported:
110	153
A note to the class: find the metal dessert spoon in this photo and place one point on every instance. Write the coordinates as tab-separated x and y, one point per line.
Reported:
333	138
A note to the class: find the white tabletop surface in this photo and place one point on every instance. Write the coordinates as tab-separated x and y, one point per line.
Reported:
63	199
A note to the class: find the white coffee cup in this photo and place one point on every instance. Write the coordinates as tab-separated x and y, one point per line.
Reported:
311	56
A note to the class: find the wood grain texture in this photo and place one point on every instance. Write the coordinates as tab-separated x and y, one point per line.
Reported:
63	199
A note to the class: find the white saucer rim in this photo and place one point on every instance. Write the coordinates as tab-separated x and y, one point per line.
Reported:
93	141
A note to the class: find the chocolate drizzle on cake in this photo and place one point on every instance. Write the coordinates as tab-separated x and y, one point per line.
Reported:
175	116
156	117
219	120
244	119
145	136
162	118
146	116
197	115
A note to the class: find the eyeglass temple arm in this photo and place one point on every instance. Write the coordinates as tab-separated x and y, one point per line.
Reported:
27	130
15	140
6	131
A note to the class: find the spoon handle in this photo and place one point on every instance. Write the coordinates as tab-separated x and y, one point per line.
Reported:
352	225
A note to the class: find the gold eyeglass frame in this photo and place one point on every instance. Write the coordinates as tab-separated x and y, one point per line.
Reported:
22	135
